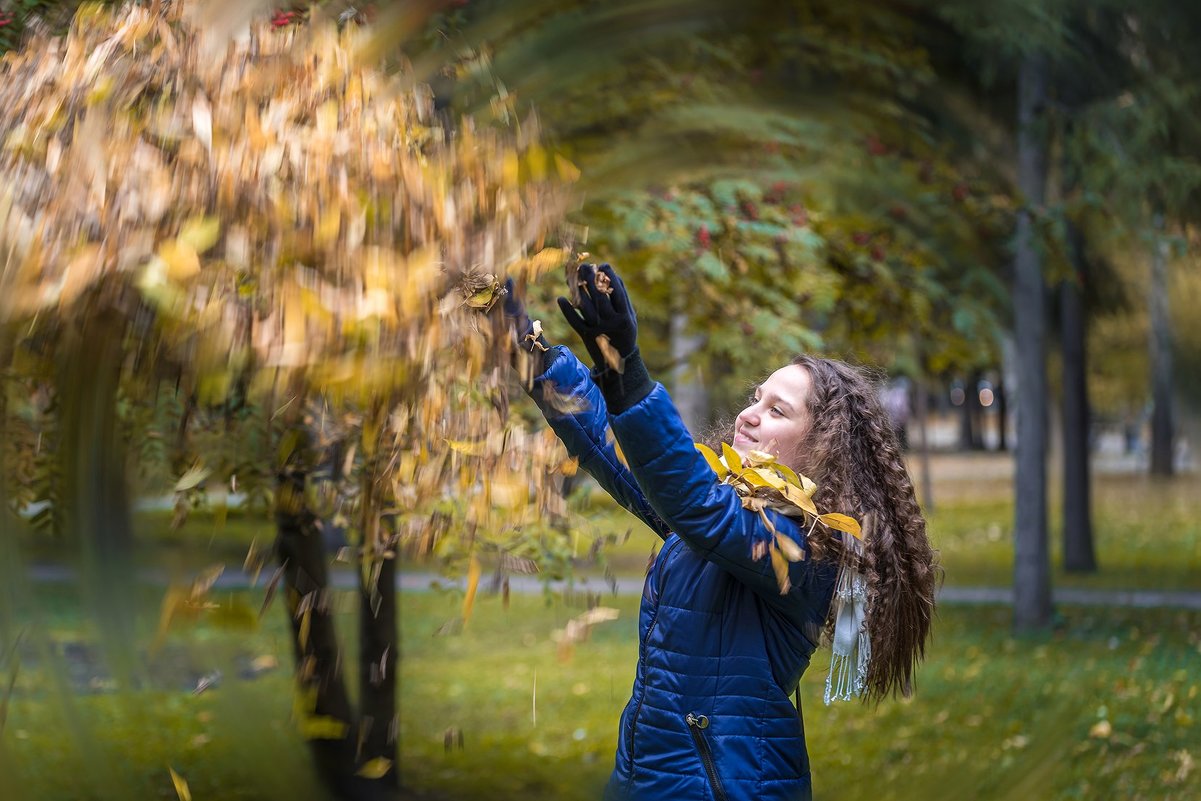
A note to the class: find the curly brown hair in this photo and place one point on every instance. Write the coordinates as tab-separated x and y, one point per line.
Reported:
851	451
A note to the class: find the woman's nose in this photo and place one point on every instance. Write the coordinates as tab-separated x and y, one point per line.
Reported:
748	416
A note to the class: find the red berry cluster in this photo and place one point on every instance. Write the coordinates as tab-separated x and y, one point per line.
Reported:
282	19
6	19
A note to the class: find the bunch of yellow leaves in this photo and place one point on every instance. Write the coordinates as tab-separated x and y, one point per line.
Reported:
762	482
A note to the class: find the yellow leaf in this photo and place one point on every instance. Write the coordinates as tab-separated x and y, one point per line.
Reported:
466	448
768	476
799	498
760	458
322	727
567	171
306	624
181	259
788	474
808	486
200	233
473	583
328	226
192	478
754	478
510	171
181	785
842	523
712	459
482	298
376	768
536	158
733	460
780	565
788	546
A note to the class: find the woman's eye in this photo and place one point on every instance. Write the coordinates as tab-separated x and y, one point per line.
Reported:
776	411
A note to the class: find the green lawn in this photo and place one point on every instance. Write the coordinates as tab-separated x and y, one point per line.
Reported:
995	717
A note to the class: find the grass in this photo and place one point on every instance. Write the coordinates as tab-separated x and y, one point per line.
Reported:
1102	708
995	717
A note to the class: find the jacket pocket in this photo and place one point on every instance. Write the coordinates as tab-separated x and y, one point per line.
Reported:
696	727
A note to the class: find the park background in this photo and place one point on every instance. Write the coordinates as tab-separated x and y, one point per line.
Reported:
993	204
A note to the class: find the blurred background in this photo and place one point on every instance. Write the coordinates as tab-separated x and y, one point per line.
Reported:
994	206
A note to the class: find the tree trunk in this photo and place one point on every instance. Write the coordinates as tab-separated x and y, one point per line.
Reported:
967	436
1032	571
1078	552
1161	357
1002	417
95	496
687	389
378	643
322	702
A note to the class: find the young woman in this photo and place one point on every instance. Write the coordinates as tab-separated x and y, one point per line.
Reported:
722	647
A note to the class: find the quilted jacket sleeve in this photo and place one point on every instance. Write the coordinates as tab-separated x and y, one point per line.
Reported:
709	515
575	409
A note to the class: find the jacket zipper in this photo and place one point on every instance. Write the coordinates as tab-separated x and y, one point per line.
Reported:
696	726
642	658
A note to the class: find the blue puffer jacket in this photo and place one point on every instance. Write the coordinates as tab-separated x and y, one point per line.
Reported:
721	650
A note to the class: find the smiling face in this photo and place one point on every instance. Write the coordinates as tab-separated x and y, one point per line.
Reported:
778	418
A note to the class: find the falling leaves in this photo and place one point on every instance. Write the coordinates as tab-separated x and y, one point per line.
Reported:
579	627
181	785
473	582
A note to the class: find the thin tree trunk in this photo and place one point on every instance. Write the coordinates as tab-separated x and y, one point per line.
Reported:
1032	571
1161	358
378	643
1002	416
321	692
967	436
1078	552
688	391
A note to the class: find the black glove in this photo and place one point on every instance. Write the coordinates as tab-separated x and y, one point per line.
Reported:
516	316
606	311
603	311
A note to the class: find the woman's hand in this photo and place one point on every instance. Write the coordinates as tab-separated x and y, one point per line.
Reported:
604	318
516	316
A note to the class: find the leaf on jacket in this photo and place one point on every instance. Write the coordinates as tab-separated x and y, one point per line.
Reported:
732	459
712	460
